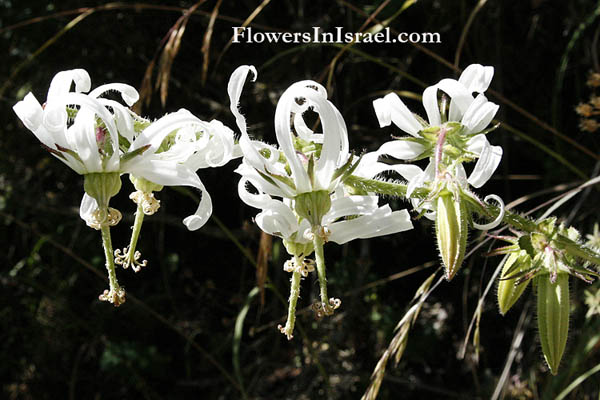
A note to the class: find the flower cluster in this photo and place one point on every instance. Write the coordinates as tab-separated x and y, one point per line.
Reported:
310	188
102	139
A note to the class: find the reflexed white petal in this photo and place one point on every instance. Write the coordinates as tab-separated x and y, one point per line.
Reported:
350	205
402	149
55	119
477	78
499	218
479	114
168	173
283	130
123	118
259	200
382	222
87	207
369	167
82	139
460	97
417	178
128	93
432	108
488	161
30	112
262	184
277	219
61	83
304	131
391	108
234	89
221	148
202	214
158	130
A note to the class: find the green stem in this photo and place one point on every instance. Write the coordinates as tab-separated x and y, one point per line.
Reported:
135	235
480	208
294	294
116	294
320	259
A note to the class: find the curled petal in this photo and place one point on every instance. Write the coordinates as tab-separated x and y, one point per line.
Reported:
61	83
158	130
168	173
489	159
277	219
260	200
30	112
381	222
499	218
391	108
479	114
350	205
128	93
402	149
87	208
234	89
477	78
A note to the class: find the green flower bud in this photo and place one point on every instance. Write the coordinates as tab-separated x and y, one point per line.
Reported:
451	231
102	186
553	317
313	206
298	249
509	290
144	185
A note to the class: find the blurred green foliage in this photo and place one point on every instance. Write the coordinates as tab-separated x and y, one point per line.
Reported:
174	336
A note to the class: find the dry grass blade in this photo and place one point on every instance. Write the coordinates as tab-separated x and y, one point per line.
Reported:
398	344
170	51
247	22
206	45
43	47
145	89
501	98
465	31
262	262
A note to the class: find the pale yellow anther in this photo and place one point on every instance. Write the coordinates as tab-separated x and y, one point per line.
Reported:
149	204
125	258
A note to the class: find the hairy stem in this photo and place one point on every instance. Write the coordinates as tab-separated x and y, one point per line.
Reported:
135	235
288	330
320	259
115	294
480	208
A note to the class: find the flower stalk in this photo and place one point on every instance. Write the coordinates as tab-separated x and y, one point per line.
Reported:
294	294
115	294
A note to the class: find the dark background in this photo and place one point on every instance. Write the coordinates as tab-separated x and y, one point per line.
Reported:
175	337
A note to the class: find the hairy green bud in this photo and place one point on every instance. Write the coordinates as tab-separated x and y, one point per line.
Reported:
511	285
451	231
553	317
144	185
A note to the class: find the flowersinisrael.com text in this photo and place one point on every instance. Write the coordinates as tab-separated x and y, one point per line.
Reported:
247	35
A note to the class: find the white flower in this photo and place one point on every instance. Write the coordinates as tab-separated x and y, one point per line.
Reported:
92	134
465	117
473	113
173	148
298	168
277	217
